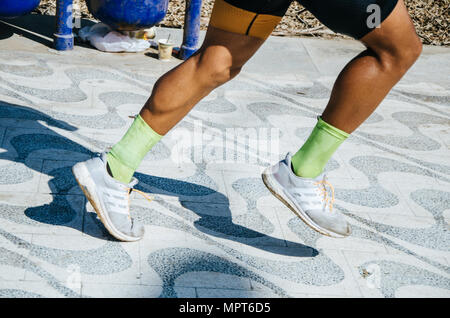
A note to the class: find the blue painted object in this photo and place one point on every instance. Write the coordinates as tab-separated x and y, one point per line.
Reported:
15	8
128	15
63	36
191	28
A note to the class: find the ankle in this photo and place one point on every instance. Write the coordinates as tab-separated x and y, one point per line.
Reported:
309	173
118	170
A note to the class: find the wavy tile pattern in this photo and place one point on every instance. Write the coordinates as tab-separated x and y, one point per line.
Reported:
213	228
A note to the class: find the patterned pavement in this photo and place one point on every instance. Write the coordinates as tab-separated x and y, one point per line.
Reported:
213	229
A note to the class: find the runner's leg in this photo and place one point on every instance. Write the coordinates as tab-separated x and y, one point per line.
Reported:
233	36
391	50
298	181
360	87
220	59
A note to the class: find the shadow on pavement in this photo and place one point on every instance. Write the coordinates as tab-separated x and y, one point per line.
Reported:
35	27
59	211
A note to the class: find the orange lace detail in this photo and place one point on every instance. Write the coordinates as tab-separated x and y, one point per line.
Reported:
325	197
145	195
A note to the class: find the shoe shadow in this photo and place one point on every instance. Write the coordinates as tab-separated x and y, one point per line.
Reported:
215	219
23	144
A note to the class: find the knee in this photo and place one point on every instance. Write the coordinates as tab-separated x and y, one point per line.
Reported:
410	53
399	58
216	65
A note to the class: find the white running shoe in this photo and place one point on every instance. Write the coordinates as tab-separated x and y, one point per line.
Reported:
307	198
109	198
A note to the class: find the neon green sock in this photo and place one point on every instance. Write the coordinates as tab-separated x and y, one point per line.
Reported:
126	156
312	157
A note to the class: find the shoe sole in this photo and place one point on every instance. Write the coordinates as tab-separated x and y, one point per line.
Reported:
87	185
274	188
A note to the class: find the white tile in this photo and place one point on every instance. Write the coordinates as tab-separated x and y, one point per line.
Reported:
120	262
99	290
25	289
13	257
233	293
41	213
20	176
422	292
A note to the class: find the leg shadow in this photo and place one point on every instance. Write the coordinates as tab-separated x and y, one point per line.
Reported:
216	218
211	217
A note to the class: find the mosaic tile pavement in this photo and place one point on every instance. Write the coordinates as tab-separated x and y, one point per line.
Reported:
213	229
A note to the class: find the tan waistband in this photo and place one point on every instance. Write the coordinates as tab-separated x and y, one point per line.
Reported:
233	19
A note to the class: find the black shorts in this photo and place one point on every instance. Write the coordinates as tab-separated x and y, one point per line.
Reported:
258	18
